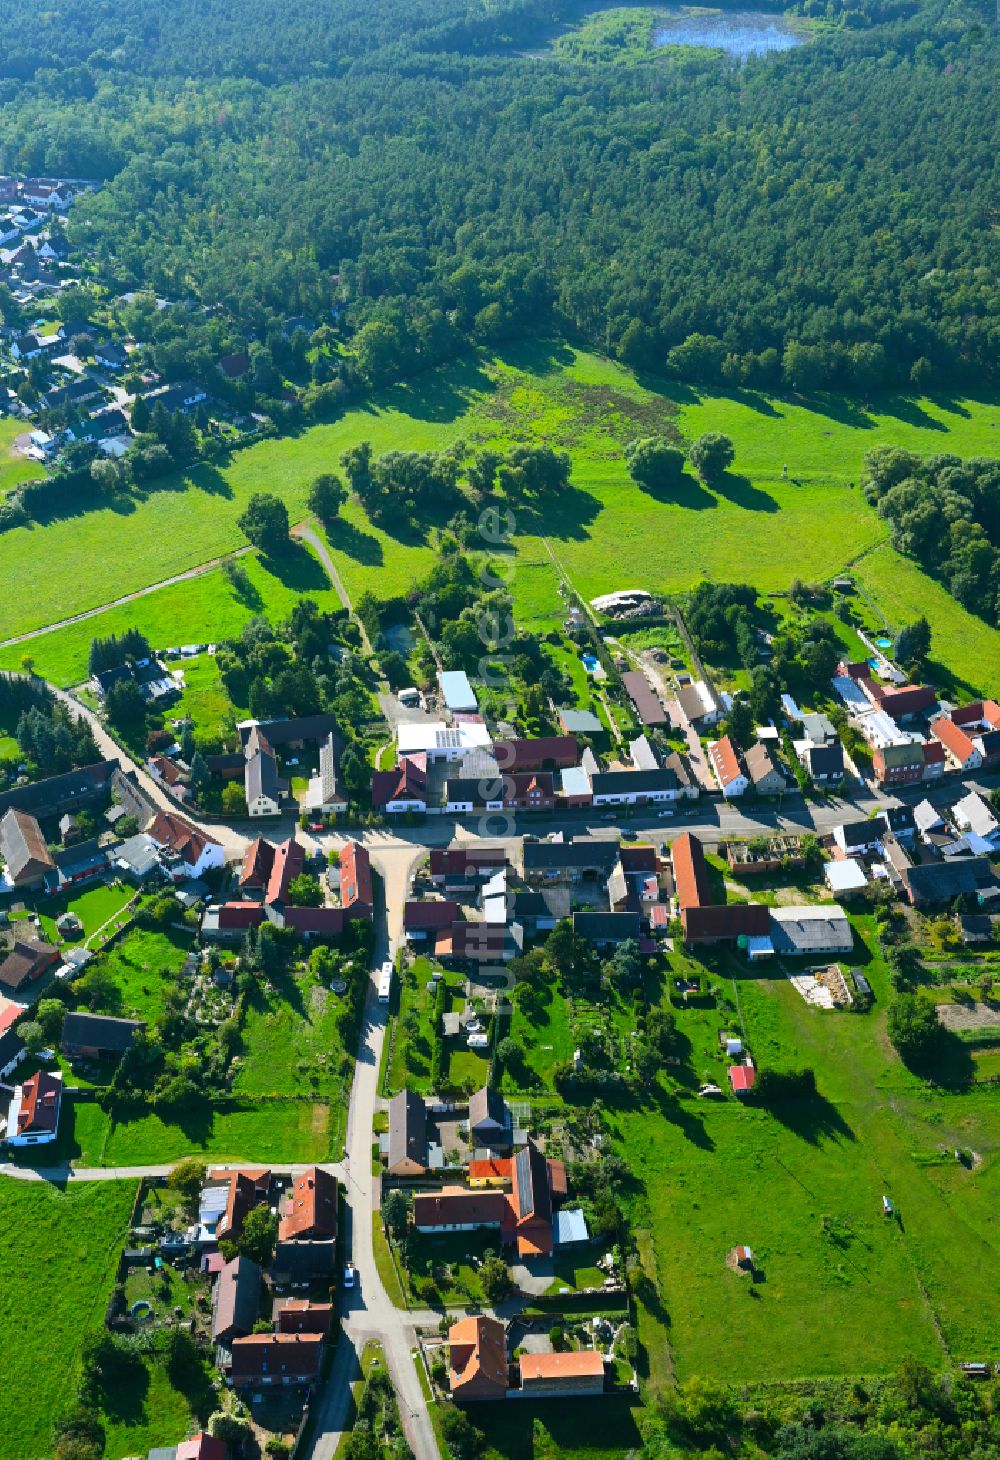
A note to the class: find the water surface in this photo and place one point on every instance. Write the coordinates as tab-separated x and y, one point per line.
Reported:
740	33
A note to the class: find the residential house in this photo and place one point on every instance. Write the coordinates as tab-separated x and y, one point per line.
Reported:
276	1360
407	1135
489	790
168	773
687	781
824	763
311	1209
961	751
901	763
644	698
402	789
111	356
742	1079
66	397
12	1049
634	787
939	882
574	786
972	814
356	896
324	796
699	704
293	733
643	755
574	1373
456	1209
767	778
97	1036
810	930
23	848
728	768
25	962
607	929
900	702
703	920
490	1121
860	838
478	1369
818	729
235	1301
235	366
298	1315
568	861
138	858
531	1203
69	792
263	786
182	397
464	867
33	1114
545	753
185	851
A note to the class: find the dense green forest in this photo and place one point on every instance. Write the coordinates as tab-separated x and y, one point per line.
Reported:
820	218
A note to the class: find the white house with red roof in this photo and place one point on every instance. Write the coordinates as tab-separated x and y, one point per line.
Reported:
33	1116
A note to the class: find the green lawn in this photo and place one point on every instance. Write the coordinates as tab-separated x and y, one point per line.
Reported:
201	608
15	469
204	701
57	1265
94	908
843	1290
143	965
291	1042
278	1131
811	525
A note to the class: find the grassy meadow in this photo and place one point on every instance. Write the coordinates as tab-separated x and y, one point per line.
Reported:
57	1265
604	531
14	469
840	1288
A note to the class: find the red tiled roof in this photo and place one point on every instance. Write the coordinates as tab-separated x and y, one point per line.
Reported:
725	760
455	1204
289	860
329	920
355	877
734	920
240	915
584	1363
531	755
276	1356
405	782
742	1077
173	832
478	1356
41	1095
167	770
419	916
312	1207
952	738
933	752
247	1189
257	863
495	1170
298	1315
690	871
907	699
10	1016
202	1447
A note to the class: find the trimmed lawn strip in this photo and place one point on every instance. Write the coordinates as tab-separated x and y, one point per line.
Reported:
384	1264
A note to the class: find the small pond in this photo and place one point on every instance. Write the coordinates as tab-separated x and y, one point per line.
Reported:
740	33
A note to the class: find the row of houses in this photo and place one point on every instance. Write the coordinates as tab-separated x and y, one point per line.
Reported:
458	770
265	882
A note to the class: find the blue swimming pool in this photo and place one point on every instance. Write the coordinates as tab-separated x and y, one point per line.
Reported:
884	643
590	662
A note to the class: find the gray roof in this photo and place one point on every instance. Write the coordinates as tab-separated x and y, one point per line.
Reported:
280	732
22	846
607	927
140	853
99	1031
819	729
681	768
817	928
825	760
61	793
407	1129
580	722
488	1107
236	1299
632	783
262	777
939	881
584	853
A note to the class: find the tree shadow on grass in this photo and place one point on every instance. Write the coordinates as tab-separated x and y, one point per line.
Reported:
742	493
363	547
566	515
297	568
813	1119
535	356
906	408
440	395
123	1388
691	1126
688	492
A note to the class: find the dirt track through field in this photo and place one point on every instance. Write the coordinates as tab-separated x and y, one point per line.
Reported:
77	618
